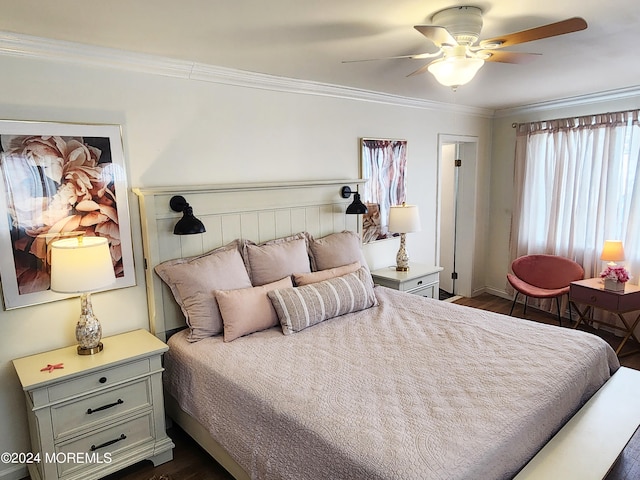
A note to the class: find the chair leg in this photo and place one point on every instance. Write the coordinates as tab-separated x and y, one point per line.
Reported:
524	313
558	305
513	304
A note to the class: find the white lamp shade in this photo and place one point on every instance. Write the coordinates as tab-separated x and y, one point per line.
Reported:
81	265
404	219
455	71
612	251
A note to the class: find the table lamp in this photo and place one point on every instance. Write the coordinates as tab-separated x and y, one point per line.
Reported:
612	252
83	265
403	219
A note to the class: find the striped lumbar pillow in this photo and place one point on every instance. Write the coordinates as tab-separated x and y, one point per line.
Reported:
301	307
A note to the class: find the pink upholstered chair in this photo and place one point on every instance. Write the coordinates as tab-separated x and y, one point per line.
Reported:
543	276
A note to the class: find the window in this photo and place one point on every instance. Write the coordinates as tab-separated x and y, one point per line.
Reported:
577	184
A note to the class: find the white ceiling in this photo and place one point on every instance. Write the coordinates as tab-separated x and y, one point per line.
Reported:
308	40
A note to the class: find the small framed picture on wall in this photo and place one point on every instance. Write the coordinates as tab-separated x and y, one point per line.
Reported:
383	164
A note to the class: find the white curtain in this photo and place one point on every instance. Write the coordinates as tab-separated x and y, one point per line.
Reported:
577	184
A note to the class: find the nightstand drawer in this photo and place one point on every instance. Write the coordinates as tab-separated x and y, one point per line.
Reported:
428	291
104	378
72	417
595	297
414	283
118	438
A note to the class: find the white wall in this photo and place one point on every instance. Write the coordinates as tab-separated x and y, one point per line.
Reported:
180	131
502	164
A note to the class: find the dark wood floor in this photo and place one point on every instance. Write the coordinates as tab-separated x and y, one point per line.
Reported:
192	463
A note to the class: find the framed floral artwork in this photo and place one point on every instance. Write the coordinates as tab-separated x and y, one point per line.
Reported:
59	180
383	164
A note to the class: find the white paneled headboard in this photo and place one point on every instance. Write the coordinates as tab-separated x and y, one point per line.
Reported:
257	212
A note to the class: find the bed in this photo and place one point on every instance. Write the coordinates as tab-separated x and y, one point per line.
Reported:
378	385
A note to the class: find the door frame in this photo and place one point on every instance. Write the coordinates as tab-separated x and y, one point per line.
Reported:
467	194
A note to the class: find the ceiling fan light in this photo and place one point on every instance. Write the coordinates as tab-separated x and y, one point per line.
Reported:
455	71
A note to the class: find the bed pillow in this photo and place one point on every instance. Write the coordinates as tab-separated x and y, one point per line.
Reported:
248	310
301	279
302	307
335	250
276	259
193	281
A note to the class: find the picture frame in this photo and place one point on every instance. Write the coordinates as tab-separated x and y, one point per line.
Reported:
383	164
59	180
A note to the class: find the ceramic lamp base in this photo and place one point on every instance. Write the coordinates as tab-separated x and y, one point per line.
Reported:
402	258
90	350
613	286
88	328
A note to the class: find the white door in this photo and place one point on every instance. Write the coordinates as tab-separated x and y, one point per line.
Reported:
457	192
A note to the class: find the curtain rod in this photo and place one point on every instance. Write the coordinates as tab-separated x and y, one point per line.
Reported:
633	111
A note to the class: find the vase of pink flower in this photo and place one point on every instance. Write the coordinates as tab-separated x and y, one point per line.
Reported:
614	277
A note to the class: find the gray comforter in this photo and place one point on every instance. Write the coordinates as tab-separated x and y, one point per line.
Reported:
411	389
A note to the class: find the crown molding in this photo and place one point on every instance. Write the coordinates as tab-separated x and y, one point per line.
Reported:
27	46
580	100
215	74
17	45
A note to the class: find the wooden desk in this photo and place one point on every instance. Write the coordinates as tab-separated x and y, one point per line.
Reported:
591	292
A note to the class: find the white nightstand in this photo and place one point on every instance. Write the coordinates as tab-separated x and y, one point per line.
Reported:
99	413
420	279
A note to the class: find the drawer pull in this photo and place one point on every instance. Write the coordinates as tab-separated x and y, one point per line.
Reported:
104	407
102	379
110	442
420	282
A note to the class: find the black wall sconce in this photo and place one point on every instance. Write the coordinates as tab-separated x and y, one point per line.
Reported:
188	224
356	207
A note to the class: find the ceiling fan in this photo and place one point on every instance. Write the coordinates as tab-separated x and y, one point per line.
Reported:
456	30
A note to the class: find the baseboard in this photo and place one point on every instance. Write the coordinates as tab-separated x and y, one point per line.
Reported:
498	293
478	291
14	472
452	299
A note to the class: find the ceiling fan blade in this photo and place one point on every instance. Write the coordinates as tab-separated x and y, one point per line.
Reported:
507	57
420	70
570	25
417	56
438	35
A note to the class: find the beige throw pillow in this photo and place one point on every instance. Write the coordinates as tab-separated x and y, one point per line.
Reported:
335	250
193	281
248	310
277	259
301	279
